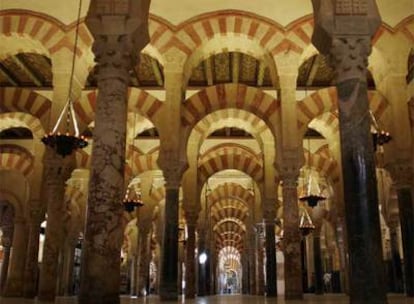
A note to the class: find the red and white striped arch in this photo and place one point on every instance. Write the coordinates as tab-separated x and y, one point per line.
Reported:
231	96
327	167
229	148
16	158
243	162
139	101
26	101
20	119
325	100
234	191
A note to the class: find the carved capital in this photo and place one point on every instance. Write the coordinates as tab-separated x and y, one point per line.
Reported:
402	174
349	57
172	167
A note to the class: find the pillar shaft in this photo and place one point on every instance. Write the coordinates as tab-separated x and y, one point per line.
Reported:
271	270
15	276
56	173
291	240
143	262
169	259
367	281
396	261
260	269
32	258
406	211
190	270
317	260
6	242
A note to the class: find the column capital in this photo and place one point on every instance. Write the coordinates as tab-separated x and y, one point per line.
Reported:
172	167
56	169
191	217
401	173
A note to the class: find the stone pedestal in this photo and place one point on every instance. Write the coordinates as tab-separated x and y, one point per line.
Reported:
15	276
31	271
317	260
292	239
56	173
169	259
271	270
190	261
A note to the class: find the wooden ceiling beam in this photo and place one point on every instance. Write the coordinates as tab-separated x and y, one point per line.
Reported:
6	74
261	73
208	70
22	65
313	70
235	66
157	72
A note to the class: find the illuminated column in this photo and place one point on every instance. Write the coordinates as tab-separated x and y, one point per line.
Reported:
120	32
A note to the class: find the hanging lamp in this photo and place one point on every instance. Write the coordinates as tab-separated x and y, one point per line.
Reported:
307	195
67	142
306	225
379	136
132	198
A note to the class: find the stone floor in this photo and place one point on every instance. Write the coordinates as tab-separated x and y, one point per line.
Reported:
224	299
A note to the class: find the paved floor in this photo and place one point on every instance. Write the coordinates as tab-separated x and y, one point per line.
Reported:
224	299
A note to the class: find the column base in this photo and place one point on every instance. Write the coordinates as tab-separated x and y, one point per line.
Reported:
46	297
166	295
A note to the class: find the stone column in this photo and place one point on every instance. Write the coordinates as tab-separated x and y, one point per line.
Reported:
348	48
402	175
56	173
68	254
169	258
291	237
15	276
6	242
270	243
317	260
259	272
252	261
120	32
31	271
134	274
398	285
143	260
190	259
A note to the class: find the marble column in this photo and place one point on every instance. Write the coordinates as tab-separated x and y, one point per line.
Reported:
245	272
56	173
143	261
406	212
169	258
252	262
398	285
317	260
348	48
260	267
68	255
6	243
15	276
31	270
270	244
120	32
190	259
134	274
292	238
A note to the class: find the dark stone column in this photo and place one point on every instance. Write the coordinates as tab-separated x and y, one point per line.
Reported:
406	208
317	259
31	268
252	262
6	242
271	270
347	48
397	274
190	270
292	237
56	172
169	258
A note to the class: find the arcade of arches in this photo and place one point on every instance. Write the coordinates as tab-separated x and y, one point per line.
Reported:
219	114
